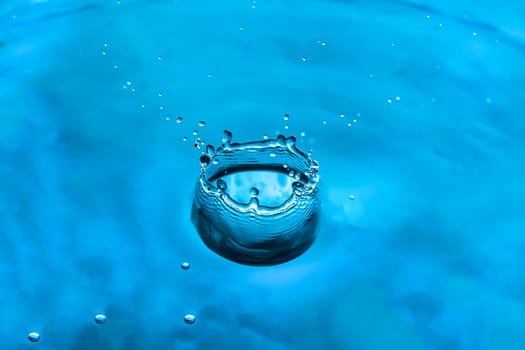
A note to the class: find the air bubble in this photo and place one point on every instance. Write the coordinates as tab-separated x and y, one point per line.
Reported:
189	319
100	319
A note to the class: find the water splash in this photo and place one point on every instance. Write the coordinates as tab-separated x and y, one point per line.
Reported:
255	229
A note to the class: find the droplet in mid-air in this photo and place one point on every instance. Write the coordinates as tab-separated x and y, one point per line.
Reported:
100	319
202	123
179	120
185	265
33	337
189	319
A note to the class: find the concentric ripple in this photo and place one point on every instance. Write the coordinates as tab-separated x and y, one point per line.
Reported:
255	231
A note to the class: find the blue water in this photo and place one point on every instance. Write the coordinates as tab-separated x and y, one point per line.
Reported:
97	183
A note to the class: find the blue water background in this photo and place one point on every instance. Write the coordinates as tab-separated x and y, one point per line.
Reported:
96	183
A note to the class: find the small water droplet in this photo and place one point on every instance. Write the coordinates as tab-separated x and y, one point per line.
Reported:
304	58
227	137
143	105
474	34
291	173
210	150
104	53
209	75
189	319
160	58
352	197
303	134
202	123
197	146
323	43
221	185
185	265
168	118
195	132
273	155
205	159
324	122
100	319
128	83
342	115
398	98
179	120
349	124
115	66
286	116
33	337
161	94
298	188
184	138
389	100
254	192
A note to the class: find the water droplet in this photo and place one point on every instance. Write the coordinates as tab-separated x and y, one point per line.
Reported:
189	319
202	123
298	188
195	132
349	124
304	58
474	34
210	150
227	137
179	120
143	105
398	98
241	28
115	66
197	146
221	185
160	94
352	197
105	44
324	122
342	115
184	138
272	155
303	134
100	319
205	159
291	173
33	337
185	265
286	117
323	43
160	58
389	100
128	83
104	53
168	118
161	108
254	192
